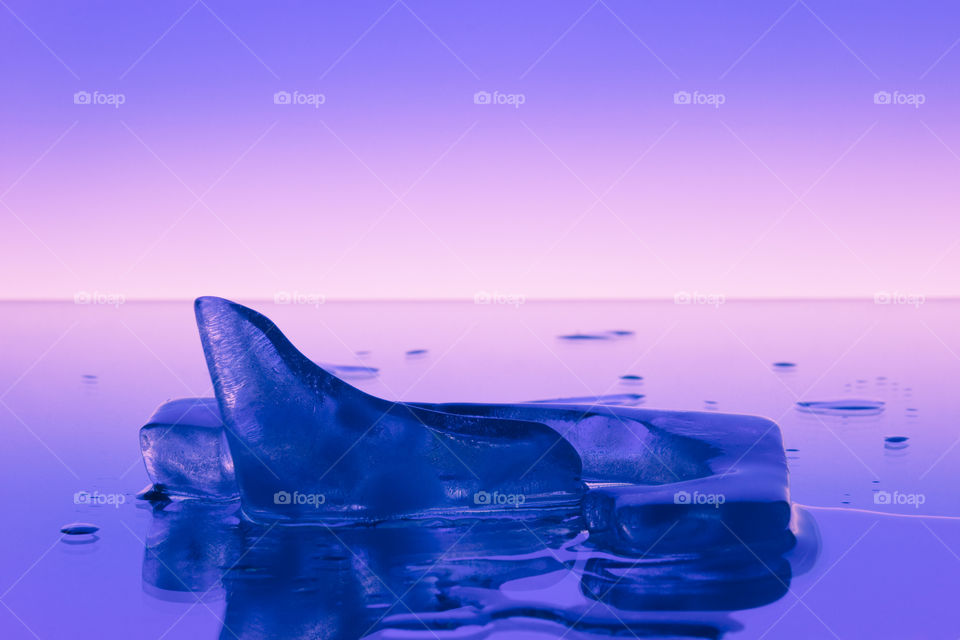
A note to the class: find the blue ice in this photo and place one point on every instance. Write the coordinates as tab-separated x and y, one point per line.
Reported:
306	446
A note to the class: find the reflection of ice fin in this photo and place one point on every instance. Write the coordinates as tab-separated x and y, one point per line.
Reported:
309	446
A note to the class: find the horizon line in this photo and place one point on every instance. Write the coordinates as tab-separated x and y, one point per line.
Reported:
472	300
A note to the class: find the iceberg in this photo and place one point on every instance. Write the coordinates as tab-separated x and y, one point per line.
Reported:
297	444
572	516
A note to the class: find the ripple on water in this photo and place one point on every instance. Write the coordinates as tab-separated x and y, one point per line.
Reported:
843	407
583	337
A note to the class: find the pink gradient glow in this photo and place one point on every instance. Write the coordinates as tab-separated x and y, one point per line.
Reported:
598	186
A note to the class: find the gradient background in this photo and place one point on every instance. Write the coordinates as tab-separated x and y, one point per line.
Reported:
399	186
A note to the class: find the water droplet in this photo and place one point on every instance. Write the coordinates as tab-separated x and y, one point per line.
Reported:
895	443
620	333
630	376
413	353
79	528
784	365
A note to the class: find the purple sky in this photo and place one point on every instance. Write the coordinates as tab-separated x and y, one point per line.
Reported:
399	186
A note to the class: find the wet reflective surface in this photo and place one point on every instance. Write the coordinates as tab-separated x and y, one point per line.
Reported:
875	555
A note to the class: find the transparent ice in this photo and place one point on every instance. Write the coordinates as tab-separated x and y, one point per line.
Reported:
308	446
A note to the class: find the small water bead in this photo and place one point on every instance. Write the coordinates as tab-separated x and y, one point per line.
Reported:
895	442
